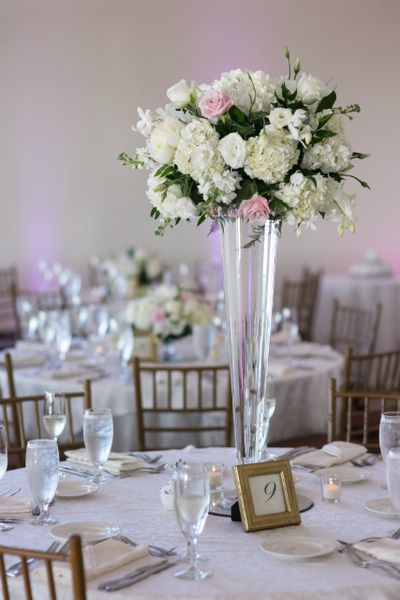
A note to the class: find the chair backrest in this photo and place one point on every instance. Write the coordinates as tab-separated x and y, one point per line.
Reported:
74	558
302	294
8	290
358	430
355	327
366	372
13	417
181	399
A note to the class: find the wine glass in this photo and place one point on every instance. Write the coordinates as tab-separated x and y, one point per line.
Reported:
290	324
63	341
268	409
125	346
55	417
393	476
47	333
191	501
3	451
42	467
98	433
389	434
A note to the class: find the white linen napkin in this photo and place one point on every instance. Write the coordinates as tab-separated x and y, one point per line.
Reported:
14	505
116	463
97	559
279	368
384	549
332	454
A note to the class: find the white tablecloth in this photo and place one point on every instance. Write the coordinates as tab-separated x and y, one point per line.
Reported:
241	570
362	293
301	397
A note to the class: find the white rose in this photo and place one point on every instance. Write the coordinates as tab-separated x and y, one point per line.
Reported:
234	150
310	89
179	94
280	117
175	204
164	140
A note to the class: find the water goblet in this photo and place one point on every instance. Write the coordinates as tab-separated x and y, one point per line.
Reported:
63	341
55	417
389	434
191	501
42	467
393	477
3	451
98	433
267	409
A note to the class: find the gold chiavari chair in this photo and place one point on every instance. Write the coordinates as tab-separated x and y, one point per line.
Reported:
151	416
302	294
359	427
355	327
74	558
8	316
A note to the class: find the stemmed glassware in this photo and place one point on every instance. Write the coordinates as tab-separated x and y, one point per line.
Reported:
389	434
268	408
191	501
3	451
47	332
42	467
63	337
393	477
290	324
98	434
55	416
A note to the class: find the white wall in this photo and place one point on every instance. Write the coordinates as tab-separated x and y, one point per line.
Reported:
72	73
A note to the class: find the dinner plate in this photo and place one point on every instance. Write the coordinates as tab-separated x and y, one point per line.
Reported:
90	531
382	507
75	489
298	548
348	474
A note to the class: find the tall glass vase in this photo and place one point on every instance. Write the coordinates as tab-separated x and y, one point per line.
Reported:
249	279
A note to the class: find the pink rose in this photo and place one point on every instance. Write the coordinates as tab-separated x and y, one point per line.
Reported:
214	103
158	316
256	210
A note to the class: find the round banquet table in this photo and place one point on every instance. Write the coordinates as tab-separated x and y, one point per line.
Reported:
301	395
361	293
241	570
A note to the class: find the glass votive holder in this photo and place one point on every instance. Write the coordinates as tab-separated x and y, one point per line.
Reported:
331	486
216	475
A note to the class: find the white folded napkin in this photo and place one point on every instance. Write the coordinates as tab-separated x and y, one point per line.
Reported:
14	505
384	549
116	463
332	454
97	559
279	368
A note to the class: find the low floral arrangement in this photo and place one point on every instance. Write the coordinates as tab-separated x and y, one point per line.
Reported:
249	146
133	263
168	312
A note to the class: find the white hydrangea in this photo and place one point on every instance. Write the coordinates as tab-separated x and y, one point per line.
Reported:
227	183
305	199
331	154
197	154
164	140
175	204
246	86
270	155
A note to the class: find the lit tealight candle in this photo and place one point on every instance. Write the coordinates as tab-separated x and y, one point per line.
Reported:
331	491
215	478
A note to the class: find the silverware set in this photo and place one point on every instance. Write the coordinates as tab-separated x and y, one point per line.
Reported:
16	569
83	473
357	559
142	573
291	454
368	461
154	550
145	457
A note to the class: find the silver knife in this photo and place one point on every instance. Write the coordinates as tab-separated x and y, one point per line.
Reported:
117	584
76	470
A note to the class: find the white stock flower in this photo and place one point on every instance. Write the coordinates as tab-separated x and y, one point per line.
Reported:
234	150
179	94
146	124
310	89
296	122
246	87
226	183
144	157
331	154
339	206
271	155
164	140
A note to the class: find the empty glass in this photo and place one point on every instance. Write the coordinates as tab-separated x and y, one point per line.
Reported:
191	501
55	416
393	477
98	434
268	409
42	467
47	332
63	340
3	451
389	434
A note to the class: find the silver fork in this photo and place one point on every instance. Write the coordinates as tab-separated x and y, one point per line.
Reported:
7	495
147	459
357	560
143	470
155	550
16	569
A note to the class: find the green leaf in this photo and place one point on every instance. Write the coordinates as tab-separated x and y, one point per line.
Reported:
326	102
359	155
347	168
153	210
157	214
285	91
201	220
245	130
324	120
177	220
246	190
237	115
324	133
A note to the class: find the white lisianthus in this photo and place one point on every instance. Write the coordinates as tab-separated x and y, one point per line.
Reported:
180	94
331	154
164	140
270	155
290	84
175	204
234	150
280	117
304	198
310	89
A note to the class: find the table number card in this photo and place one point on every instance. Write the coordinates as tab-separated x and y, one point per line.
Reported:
266	495
144	346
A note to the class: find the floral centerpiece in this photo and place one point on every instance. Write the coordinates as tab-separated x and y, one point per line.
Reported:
250	152
138	263
168	312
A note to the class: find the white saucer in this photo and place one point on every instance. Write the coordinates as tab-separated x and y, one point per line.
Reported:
349	475
75	489
382	507
90	531
297	548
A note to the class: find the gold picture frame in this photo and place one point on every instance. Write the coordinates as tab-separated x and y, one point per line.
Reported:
145	345
266	495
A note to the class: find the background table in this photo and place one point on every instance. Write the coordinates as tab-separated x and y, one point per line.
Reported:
361	293
301	398
241	570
